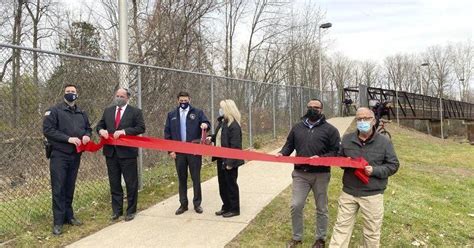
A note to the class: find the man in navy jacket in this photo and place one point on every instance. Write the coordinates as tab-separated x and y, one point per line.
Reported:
185	123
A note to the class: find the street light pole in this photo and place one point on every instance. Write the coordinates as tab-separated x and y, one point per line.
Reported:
421	77
441	111
325	26
123	43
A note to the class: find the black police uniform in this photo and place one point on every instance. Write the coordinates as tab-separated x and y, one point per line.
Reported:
60	123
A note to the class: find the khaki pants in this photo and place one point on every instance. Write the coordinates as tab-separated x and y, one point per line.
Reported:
371	208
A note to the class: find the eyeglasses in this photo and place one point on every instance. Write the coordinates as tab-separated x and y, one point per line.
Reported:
364	118
313	107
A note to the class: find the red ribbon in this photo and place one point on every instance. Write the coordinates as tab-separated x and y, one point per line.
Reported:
223	152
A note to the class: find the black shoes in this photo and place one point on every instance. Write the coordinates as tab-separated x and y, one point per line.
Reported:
181	210
230	214
220	212
115	217
130	217
294	243
198	209
57	229
74	222
320	243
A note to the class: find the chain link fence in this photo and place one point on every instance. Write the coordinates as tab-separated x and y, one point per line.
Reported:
33	80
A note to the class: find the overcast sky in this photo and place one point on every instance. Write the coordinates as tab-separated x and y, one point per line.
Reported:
374	29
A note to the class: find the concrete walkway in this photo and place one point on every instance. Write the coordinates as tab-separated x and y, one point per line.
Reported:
158	226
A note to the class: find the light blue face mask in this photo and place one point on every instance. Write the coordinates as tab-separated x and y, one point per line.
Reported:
221	112
363	126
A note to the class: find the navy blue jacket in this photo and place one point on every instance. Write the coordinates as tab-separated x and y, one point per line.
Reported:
62	122
194	119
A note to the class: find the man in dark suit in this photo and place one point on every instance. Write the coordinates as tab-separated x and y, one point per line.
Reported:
185	123
122	119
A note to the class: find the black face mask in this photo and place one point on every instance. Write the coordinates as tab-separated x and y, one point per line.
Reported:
313	114
184	105
70	97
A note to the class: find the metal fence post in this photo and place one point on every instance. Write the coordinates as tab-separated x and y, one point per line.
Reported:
397	106
301	100
290	107
250	114
140	150
274	111
212	104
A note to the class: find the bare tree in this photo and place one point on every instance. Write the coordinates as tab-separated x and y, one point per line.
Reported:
234	11
339	67
16	59
370	73
440	64
462	64
266	23
37	10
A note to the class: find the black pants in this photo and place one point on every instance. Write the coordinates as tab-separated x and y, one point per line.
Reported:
63	169
116	167
228	187
194	163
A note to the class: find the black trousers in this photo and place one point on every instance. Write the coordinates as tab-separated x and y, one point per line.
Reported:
228	187
63	169
194	163
116	167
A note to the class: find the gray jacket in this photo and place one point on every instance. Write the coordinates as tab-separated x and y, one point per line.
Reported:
379	152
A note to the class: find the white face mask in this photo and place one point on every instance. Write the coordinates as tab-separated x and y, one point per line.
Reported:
221	112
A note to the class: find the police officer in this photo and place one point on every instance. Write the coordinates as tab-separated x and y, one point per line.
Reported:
65	126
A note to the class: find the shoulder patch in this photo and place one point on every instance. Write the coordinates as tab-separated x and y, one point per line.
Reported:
47	113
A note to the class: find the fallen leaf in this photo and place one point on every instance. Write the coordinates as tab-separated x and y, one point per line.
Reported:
415	243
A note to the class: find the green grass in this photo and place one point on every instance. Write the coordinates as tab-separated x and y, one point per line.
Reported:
430	200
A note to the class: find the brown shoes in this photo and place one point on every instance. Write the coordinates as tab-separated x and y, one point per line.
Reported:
294	243
319	243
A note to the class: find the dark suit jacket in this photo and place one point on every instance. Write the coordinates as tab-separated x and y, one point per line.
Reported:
231	137
194	120
133	124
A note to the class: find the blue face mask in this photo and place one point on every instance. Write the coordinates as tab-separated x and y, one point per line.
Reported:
221	112
184	105
363	126
70	97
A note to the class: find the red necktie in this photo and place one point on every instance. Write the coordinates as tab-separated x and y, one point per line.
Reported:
117	118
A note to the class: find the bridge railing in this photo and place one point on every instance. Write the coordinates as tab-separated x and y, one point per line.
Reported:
408	105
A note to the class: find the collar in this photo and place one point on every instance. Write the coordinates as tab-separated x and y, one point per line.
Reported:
123	108
73	108
184	110
317	123
357	140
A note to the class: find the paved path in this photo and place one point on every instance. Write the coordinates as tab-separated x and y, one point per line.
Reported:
158	226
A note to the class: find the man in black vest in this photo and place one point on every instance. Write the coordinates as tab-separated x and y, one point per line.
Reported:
117	120
65	126
185	123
